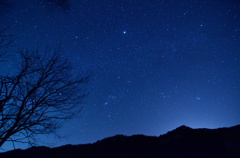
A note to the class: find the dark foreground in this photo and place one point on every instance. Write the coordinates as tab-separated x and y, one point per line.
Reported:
181	142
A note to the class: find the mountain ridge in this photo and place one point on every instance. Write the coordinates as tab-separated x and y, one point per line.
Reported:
180	142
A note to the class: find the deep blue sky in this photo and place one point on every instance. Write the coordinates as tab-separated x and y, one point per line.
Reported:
157	64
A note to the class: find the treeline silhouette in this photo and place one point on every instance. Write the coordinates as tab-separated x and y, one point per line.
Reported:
181	142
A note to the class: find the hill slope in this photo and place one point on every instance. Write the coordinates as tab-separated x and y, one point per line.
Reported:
181	142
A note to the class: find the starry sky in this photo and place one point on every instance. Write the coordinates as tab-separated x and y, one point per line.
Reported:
156	64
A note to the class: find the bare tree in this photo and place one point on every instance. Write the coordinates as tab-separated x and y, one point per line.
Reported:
44	92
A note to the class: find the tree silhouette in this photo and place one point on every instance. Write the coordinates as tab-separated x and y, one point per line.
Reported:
43	93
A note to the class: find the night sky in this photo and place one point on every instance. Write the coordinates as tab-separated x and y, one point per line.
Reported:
156	64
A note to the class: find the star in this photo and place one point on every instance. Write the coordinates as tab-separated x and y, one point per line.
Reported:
198	98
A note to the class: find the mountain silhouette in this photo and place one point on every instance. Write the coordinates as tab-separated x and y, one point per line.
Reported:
180	142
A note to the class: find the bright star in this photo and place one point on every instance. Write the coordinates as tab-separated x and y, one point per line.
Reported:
198	98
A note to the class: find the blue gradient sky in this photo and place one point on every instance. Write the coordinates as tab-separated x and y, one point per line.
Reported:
157	64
